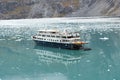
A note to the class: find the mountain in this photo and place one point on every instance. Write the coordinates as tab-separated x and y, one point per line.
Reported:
17	9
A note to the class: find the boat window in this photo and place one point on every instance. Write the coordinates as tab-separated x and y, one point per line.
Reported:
77	40
65	40
52	36
53	32
74	36
57	36
43	35
63	36
39	34
69	36
42	32
48	35
40	38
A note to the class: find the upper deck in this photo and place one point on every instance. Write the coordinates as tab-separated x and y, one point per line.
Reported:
48	31
63	34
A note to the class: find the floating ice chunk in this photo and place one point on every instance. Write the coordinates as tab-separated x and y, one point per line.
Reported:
18	40
88	61
2	39
27	48
110	65
104	38
79	74
108	70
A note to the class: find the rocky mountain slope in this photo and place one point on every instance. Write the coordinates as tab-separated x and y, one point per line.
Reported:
16	9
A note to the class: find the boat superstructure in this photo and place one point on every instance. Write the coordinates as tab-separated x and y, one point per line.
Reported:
59	39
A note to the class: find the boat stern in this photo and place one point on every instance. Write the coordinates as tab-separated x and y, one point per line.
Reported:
78	45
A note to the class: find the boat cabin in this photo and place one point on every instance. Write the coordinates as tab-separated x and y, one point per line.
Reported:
57	36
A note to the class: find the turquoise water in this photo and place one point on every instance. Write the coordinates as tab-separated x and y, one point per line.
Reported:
21	59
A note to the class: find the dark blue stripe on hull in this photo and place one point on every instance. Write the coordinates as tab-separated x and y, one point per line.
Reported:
59	45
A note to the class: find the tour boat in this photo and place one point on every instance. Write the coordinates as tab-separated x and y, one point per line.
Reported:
59	39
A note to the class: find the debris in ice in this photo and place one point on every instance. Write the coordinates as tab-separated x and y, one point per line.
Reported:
104	38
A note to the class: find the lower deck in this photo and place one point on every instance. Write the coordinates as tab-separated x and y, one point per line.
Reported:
59	45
